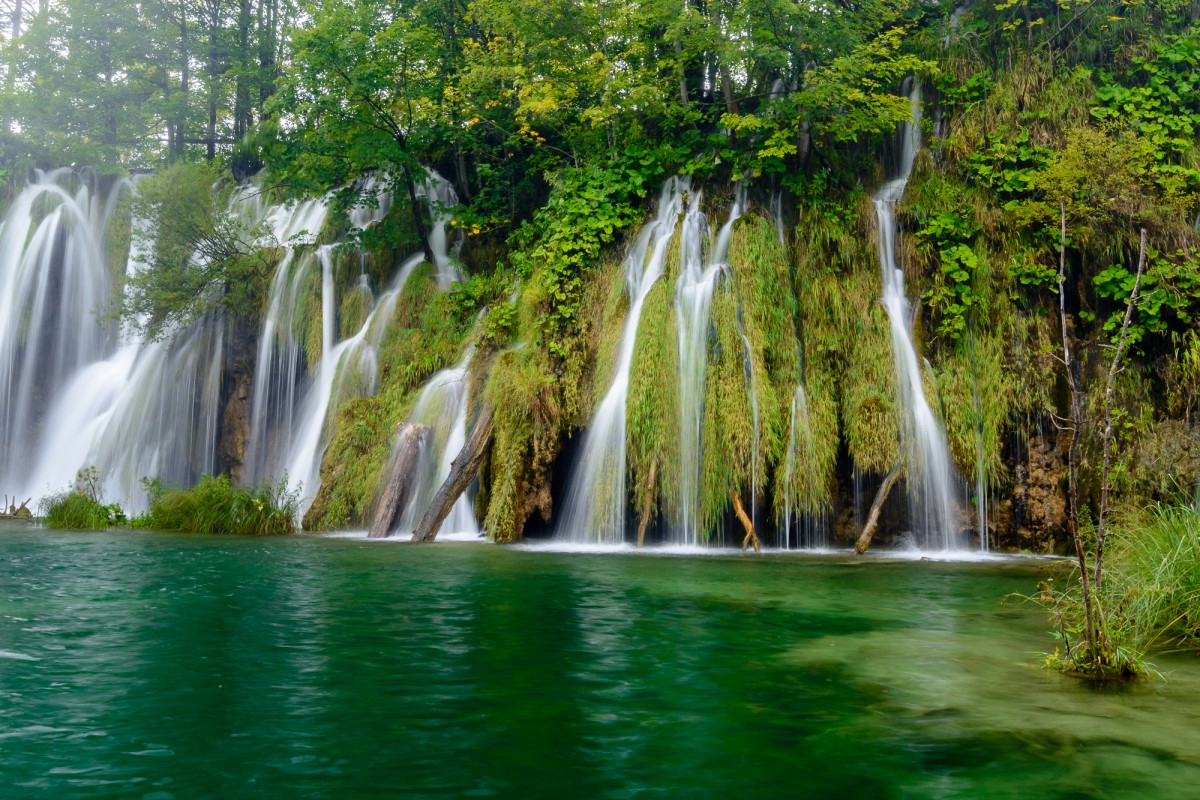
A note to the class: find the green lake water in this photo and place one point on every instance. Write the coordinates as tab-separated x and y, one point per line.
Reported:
138	665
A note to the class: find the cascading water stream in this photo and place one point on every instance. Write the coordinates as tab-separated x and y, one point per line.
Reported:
54	285
596	500
442	407
693	308
290	404
94	398
799	412
929	477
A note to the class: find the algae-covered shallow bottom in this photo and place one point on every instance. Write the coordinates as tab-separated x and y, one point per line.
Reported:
160	665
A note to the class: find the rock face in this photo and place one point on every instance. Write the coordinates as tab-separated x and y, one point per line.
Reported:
235	403
1034	516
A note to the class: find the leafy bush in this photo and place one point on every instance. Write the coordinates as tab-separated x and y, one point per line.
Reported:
71	510
1149	598
214	505
951	295
80	508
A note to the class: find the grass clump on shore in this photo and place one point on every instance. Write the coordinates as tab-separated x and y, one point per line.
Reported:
79	508
73	510
1149	599
215	505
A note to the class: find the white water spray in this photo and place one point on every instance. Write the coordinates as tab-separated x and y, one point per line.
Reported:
596	500
693	308
929	478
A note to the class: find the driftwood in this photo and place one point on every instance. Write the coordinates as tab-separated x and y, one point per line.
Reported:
885	488
12	511
751	536
413	439
645	519
466	464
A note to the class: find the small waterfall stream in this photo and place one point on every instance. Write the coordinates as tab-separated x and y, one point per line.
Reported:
596	500
290	405
442	406
929	478
693	307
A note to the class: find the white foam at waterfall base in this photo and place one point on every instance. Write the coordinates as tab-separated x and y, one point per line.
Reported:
929	477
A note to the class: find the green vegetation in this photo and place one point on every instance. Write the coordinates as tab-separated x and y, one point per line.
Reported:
1150	599
214	505
202	258
80	508
1055	137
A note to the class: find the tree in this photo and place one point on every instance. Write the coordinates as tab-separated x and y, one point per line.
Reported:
364	95
200	257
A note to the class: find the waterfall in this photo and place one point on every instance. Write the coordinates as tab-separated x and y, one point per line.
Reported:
929	477
596	500
442	406
54	285
693	307
74	392
777	214
291	400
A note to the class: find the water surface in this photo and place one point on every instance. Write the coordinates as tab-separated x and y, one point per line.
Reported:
137	665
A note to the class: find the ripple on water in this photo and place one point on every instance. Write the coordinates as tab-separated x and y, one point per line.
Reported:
318	666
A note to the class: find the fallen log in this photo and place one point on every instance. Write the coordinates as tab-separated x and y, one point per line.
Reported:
413	440
463	469
645	520
12	511
885	488
751	536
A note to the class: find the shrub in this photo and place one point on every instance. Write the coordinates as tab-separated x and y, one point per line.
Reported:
214	505
79	508
1150	597
72	510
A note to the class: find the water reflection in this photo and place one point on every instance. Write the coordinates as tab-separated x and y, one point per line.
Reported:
209	667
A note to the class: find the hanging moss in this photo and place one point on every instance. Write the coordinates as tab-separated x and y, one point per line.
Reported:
847	338
975	393
307	315
427	334
354	309
527	420
652	404
608	304
117	239
728	431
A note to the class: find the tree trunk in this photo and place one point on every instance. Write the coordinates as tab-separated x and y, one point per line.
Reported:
11	78
413	440
751	537
683	92
881	496
185	79
418	216
1108	411
466	464
1073	426
727	90
241	103
213	71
